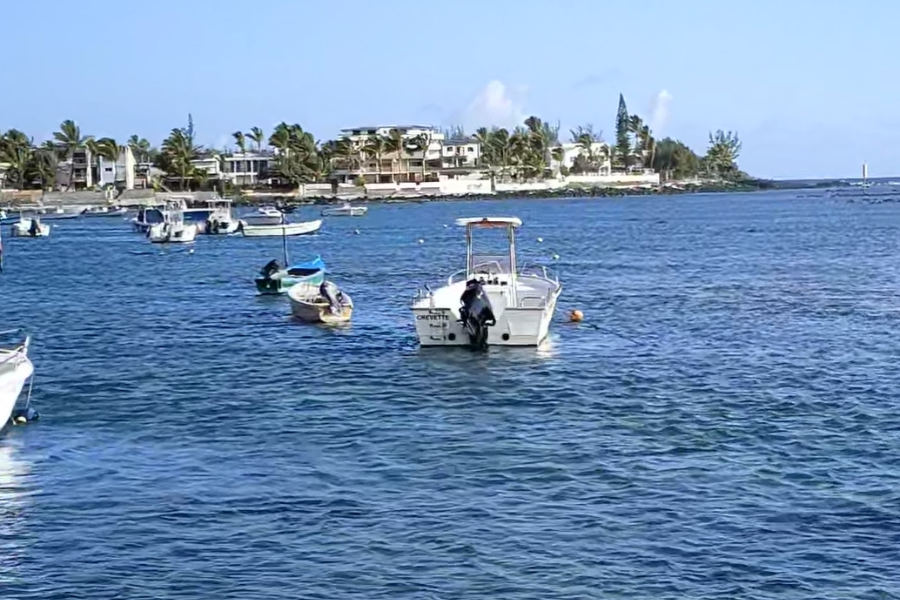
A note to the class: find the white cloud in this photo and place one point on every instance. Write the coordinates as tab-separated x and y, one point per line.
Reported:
659	112
497	104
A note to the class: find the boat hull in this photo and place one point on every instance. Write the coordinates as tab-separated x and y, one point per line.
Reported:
222	227
438	326
163	234
288	229
14	373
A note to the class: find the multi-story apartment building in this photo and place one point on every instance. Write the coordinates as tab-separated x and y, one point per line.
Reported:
409	165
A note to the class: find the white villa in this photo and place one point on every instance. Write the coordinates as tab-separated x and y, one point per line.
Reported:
572	151
240	168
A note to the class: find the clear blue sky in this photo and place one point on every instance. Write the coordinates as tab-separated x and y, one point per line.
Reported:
812	86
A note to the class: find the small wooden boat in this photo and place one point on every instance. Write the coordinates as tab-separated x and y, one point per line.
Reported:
30	228
323	303
284	229
276	280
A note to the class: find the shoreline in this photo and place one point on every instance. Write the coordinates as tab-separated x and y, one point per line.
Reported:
135	198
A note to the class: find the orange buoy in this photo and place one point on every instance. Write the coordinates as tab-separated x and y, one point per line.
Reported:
576	316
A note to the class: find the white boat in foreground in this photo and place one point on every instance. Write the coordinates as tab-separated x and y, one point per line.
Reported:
284	229
173	229
30	228
346	210
323	303
264	215
15	369
490	302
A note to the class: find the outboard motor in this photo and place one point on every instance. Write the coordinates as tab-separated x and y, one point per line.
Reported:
332	295
271	268
34	228
476	313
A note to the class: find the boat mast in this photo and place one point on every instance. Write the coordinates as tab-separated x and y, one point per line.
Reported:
470	268
284	242
511	232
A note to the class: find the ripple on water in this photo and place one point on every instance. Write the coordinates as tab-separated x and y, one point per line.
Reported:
723	425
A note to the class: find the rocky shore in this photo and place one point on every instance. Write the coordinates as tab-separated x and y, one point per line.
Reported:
140	197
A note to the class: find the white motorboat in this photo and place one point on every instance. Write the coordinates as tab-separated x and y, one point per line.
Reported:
30	227
283	229
490	302
221	220
345	210
173	229
320	303
15	369
264	215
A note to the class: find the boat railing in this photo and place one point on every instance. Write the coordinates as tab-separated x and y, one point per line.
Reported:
18	351
539	271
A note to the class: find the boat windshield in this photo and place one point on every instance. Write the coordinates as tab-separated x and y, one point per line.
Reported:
490	265
302	271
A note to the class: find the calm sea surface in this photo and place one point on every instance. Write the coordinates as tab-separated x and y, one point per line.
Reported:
724	424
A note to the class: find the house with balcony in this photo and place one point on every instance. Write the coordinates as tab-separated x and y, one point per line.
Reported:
460	153
241	168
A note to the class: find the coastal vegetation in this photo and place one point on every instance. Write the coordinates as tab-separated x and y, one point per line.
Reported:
531	151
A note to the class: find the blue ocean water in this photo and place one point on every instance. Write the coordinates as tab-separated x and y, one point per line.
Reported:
724	424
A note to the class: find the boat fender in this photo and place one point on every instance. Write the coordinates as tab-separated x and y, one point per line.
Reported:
25	415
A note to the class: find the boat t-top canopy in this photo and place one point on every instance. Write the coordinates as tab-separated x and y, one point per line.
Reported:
489	222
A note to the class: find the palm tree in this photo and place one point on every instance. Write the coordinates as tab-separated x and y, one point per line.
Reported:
257	136
346	152
42	167
140	147
176	154
16	150
422	143
240	141
375	147
69	136
108	149
396	143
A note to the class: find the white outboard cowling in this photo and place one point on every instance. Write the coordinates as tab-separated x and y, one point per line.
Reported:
476	313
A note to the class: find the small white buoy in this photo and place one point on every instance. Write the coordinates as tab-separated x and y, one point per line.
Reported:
555	256
20	420
356	231
445	226
421	241
540	240
191	251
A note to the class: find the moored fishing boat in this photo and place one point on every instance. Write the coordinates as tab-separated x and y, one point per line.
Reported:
490	302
